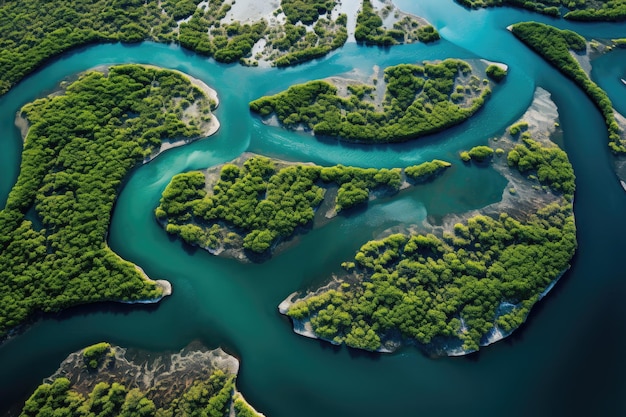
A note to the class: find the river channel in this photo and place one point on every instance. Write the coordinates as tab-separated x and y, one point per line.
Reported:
568	359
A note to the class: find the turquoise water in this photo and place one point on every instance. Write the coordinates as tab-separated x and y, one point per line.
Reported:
567	359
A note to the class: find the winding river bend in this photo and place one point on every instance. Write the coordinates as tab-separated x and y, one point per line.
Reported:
566	360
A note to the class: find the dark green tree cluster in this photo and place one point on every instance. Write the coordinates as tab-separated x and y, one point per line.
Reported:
427	34
94	355
435	290
418	101
427	170
554	45
260	202
209	398
33	31
477	153
586	10
369	28
549	165
496	73
228	43
306	11
301	45
80	147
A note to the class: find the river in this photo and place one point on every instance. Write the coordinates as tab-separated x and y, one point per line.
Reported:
566	360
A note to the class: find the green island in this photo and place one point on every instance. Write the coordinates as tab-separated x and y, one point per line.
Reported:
585	10
461	286
369	28
298	31
250	205
418	100
479	153
79	146
192	382
555	45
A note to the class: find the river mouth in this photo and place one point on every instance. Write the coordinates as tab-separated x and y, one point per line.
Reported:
565	360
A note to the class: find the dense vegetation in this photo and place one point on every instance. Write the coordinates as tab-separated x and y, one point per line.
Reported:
555	45
210	398
306	11
258	204
94	355
496	73
604	10
80	147
200	383
427	170
477	153
369	29
418	100
549	165
437	290
294	44
33	31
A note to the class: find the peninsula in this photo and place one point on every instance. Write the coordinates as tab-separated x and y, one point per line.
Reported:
246	208
80	144
409	101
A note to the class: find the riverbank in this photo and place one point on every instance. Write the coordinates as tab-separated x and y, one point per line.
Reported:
522	199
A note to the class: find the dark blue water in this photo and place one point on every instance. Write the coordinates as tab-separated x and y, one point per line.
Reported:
566	360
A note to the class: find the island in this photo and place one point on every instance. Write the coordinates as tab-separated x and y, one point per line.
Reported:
584	10
80	143
468	282
555	45
407	102
229	31
246	208
108	380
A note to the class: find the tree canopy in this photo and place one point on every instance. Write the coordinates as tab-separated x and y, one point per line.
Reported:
256	204
418	100
554	45
453	289
80	146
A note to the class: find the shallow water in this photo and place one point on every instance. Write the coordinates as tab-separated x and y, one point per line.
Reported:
566	360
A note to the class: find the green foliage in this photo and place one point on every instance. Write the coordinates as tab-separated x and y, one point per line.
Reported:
496	73
517	128
549	164
94	354
480	153
427	34
427	170
207	398
417	102
554	45
33	31
306	11
369	28
586	10
430	289
262	203
80	147
437	290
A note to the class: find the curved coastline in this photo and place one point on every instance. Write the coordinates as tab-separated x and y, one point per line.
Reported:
542	119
